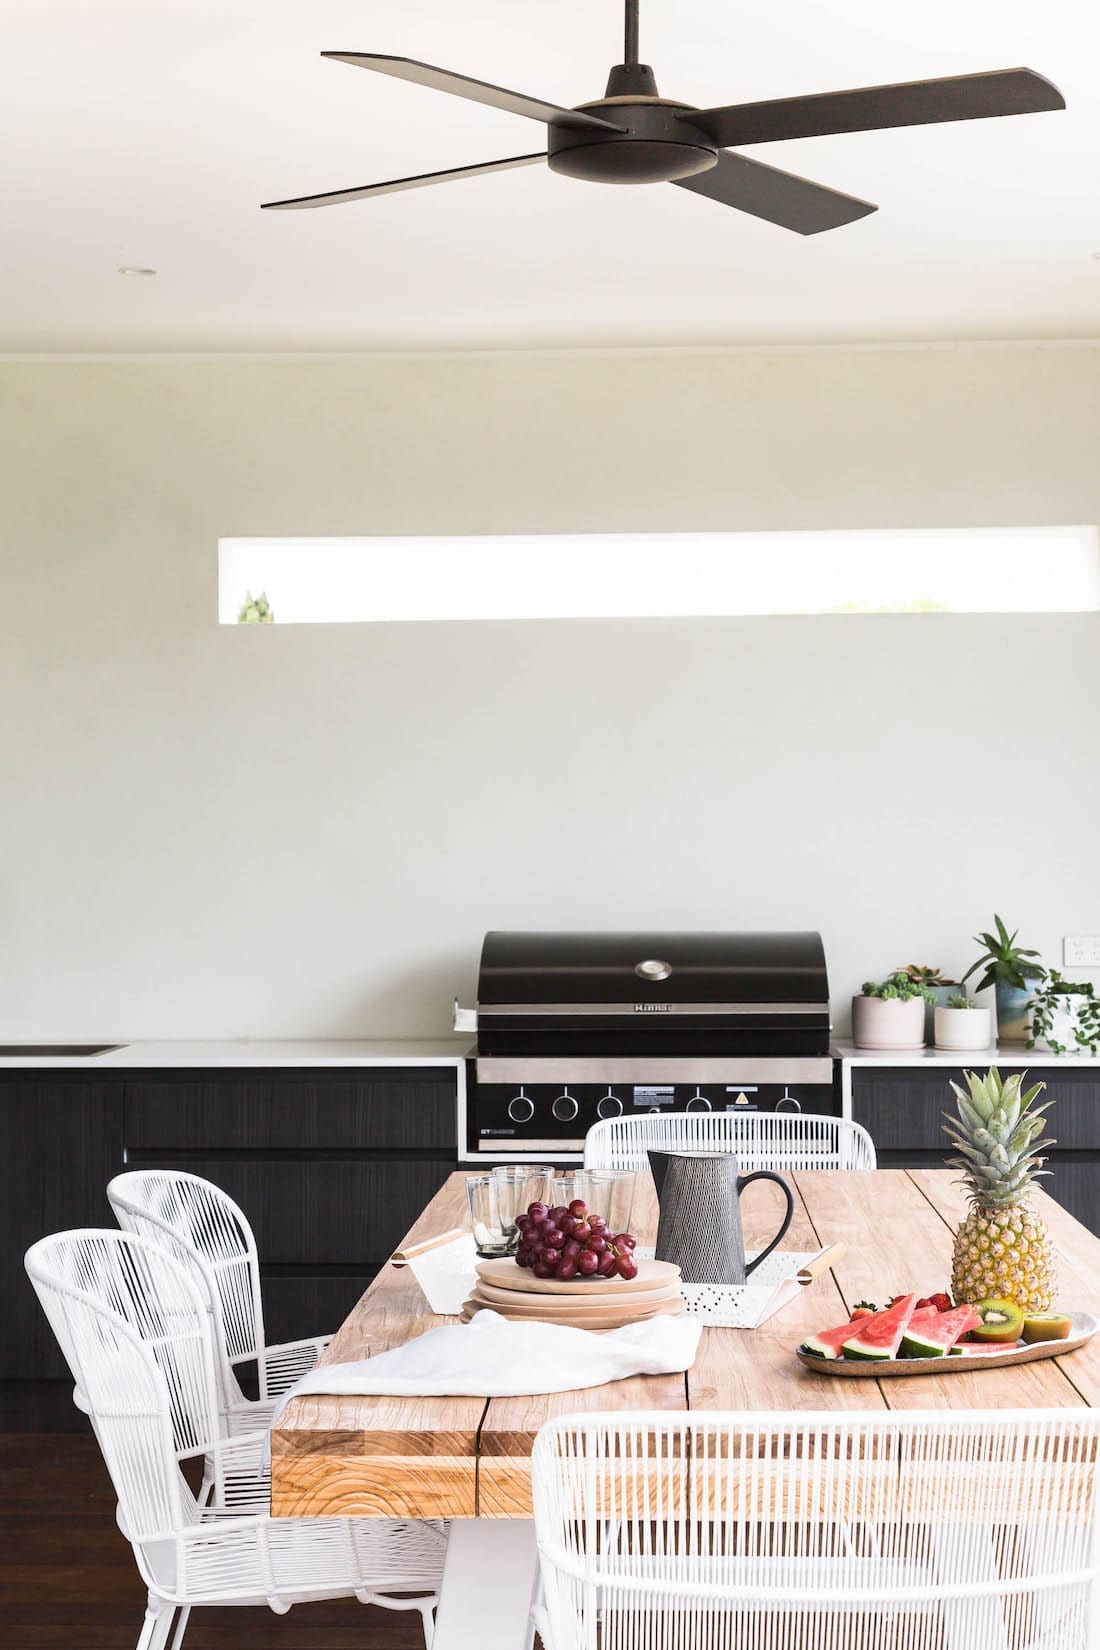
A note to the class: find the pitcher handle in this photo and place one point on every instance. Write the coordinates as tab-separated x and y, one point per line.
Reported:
768	1174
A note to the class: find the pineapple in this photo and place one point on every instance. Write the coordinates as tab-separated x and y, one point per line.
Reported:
1002	1248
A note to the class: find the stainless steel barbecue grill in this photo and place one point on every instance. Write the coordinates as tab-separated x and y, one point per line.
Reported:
574	1027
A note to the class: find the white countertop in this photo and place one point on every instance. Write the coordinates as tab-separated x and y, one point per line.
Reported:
450	1053
1006	1054
135	1056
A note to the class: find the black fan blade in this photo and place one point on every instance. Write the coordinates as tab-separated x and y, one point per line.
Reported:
914	103
395	185
780	197
479	91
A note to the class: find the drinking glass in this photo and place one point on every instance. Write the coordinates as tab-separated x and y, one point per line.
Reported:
518	1185
491	1239
607	1192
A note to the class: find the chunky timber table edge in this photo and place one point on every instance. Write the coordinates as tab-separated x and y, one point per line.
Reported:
470	1457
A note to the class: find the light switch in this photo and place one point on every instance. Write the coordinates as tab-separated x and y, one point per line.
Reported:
1081	951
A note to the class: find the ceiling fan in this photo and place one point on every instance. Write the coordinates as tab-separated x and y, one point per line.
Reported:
632	135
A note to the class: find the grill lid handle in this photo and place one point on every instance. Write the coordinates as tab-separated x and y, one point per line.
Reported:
653	969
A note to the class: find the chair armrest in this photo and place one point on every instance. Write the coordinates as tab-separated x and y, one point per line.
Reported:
238	1473
281	1366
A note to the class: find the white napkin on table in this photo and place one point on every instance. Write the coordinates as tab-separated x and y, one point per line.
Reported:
494	1357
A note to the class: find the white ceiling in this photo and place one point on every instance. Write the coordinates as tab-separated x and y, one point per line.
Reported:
148	131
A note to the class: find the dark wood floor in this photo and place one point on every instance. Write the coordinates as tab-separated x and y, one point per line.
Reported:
68	1581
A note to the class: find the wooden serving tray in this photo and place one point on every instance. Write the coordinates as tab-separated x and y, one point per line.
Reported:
1084	1327
505	1274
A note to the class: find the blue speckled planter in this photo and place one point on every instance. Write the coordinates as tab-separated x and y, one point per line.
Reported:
1013	1013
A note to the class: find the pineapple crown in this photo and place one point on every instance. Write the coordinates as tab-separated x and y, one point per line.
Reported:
997	1126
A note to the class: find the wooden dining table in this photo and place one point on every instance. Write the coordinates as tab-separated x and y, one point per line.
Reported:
468	1459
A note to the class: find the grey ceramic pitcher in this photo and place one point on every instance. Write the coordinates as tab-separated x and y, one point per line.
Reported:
700	1225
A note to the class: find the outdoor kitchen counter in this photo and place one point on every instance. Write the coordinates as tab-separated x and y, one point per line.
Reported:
209	1055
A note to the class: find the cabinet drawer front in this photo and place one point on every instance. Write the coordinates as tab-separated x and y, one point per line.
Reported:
903	1109
324	1212
397	1109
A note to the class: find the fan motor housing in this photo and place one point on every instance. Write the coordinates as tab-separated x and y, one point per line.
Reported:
658	143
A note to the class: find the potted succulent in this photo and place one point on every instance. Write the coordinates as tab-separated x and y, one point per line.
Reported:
1011	970
960	1023
890	1014
1065	1015
938	984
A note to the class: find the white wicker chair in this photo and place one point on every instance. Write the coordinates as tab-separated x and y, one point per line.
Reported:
136	1332
198	1222
919	1531
759	1140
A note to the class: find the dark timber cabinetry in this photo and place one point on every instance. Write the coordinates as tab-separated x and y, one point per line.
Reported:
902	1108
331	1166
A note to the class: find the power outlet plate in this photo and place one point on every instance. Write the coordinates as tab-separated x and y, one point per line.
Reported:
1081	951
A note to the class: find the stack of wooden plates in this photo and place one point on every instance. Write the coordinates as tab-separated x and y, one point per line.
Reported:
606	1303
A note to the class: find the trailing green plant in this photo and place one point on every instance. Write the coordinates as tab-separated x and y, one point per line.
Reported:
256	609
958	999
1052	996
898	987
1005	962
927	974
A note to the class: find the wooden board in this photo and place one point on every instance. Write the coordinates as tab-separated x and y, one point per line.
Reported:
381	1457
1083	1329
457	1457
505	1274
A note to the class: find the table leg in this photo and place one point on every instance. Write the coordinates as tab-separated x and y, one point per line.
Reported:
488	1584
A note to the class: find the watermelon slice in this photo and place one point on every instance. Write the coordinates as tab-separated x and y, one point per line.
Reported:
932	1334
879	1337
828	1343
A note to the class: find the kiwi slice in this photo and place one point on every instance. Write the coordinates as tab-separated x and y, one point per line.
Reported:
1047	1326
1001	1321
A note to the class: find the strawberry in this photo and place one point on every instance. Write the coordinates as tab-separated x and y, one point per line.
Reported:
863	1309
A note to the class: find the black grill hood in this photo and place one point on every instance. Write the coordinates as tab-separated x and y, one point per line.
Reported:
656	993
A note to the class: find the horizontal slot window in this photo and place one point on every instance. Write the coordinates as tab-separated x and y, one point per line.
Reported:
658	575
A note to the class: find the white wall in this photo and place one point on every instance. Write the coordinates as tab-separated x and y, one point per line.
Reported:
281	832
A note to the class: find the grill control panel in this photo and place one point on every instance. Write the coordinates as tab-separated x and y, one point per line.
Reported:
551	1118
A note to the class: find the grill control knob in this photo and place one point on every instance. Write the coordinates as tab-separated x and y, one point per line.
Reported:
653	968
565	1108
698	1102
609	1106
521	1109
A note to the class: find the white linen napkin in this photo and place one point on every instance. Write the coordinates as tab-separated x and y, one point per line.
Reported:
494	1357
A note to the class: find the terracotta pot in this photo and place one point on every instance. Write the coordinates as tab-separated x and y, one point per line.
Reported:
888	1022
969	1028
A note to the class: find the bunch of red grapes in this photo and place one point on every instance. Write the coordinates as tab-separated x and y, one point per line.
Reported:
569	1243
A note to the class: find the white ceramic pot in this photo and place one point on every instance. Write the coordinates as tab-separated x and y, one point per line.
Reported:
888	1022
968	1028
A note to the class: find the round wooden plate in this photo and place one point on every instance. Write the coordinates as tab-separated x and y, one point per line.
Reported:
613	1314
575	1302
1084	1327
505	1274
